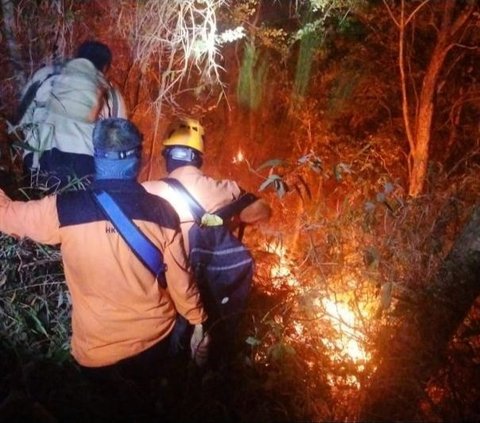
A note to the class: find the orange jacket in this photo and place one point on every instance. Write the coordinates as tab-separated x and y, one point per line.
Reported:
118	308
212	194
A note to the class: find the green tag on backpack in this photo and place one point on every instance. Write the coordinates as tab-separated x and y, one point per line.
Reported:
211	220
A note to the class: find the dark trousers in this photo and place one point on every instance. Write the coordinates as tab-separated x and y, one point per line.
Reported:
139	368
127	391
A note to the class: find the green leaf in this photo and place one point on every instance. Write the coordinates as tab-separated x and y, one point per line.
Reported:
280	351
211	220
38	324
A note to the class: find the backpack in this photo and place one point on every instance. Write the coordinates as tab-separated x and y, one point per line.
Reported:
78	91
222	265
57	114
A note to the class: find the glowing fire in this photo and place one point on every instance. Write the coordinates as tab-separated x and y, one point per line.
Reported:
280	271
344	321
239	157
348	340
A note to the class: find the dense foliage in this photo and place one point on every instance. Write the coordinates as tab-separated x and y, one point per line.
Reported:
302	104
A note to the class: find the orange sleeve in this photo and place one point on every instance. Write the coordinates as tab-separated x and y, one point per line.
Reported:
256	212
36	219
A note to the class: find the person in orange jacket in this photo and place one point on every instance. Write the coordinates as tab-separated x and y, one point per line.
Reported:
122	318
183	153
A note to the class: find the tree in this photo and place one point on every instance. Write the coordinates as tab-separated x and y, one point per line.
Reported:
411	353
9	27
418	111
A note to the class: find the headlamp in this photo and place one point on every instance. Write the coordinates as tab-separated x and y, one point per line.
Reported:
180	153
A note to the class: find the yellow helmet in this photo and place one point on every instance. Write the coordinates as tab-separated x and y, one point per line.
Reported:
187	133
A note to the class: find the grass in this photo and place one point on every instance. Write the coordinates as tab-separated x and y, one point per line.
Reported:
331	267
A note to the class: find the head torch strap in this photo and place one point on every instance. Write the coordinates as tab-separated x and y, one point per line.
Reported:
117	155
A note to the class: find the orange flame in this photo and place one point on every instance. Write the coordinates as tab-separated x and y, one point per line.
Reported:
239	157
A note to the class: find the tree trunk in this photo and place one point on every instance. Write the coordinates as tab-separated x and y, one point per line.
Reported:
411	354
9	26
449	33
423	126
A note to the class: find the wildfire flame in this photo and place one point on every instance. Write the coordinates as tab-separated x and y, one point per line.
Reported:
281	270
239	157
346	323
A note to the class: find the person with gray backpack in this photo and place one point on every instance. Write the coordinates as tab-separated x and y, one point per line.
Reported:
57	114
221	264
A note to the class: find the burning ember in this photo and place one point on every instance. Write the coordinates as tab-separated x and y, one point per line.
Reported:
239	157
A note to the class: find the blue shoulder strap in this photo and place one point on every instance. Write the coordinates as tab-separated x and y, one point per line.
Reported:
143	248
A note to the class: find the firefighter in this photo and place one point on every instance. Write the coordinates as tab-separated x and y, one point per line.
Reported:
122	318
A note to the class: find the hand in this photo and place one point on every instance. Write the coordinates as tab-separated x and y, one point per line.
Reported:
199	345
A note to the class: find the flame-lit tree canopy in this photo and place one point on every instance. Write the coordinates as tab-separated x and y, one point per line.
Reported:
358	121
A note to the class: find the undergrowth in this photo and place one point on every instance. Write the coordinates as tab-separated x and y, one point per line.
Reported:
344	247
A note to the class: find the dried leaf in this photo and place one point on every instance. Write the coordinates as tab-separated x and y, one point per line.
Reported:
371	258
270	163
306	187
386	295
270	180
254	342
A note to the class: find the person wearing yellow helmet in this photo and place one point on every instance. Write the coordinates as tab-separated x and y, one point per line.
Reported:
184	144
183	151
184	147
188	133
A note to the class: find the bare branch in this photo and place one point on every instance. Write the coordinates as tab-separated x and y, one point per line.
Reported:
462	18
415	11
390	13
401	64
